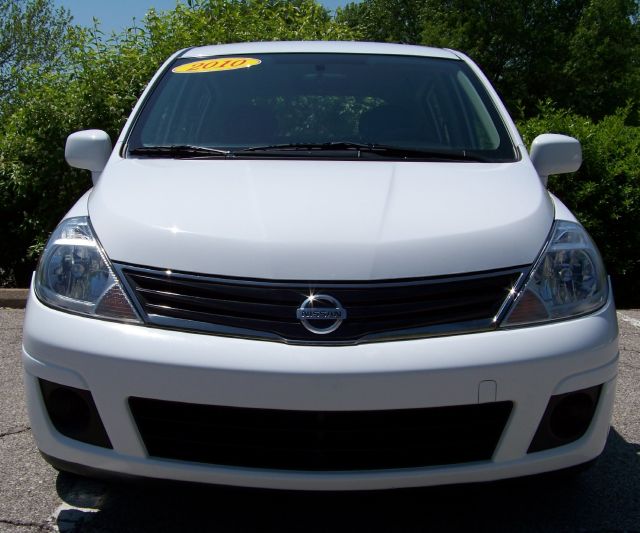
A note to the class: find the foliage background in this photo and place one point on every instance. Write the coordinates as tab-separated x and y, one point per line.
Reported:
562	66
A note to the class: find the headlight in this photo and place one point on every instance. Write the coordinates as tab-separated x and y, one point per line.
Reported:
568	279
74	275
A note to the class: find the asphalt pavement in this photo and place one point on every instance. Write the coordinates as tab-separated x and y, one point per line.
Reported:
34	497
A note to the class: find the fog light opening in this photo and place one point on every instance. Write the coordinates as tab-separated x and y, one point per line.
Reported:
68	410
73	413
571	416
566	418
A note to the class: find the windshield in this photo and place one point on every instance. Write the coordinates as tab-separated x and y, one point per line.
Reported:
320	105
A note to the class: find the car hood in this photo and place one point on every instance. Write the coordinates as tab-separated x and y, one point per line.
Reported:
320	220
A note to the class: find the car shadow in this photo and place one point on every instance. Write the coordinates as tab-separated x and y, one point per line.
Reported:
604	498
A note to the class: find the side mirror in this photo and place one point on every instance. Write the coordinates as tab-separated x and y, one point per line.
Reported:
88	149
555	154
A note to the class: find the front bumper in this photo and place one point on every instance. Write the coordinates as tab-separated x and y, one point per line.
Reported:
115	362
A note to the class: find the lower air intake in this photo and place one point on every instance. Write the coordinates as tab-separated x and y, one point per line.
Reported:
319	440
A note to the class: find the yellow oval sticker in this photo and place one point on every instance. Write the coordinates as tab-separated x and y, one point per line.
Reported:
217	65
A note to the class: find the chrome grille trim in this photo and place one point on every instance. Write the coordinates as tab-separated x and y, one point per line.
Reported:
266	309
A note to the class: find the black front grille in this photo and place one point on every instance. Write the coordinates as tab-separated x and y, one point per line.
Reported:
375	310
319	440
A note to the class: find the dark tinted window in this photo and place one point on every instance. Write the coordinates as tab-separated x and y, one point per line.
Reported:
405	101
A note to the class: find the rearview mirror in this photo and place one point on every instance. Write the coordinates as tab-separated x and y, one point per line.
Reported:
555	154
88	149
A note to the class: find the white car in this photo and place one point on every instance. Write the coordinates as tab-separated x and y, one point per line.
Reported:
320	266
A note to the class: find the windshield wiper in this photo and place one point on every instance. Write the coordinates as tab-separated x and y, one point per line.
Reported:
179	151
383	150
335	145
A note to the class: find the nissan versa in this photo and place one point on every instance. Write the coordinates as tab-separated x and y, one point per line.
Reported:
320	266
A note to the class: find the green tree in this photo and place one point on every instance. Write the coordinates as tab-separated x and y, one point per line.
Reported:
397	21
603	62
519	45
201	22
32	39
582	53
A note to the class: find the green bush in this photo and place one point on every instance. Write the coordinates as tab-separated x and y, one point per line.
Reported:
605	193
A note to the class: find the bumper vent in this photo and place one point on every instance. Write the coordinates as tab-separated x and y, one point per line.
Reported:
380	310
566	418
319	441
73	413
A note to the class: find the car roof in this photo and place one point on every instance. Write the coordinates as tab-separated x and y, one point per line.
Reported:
330	47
